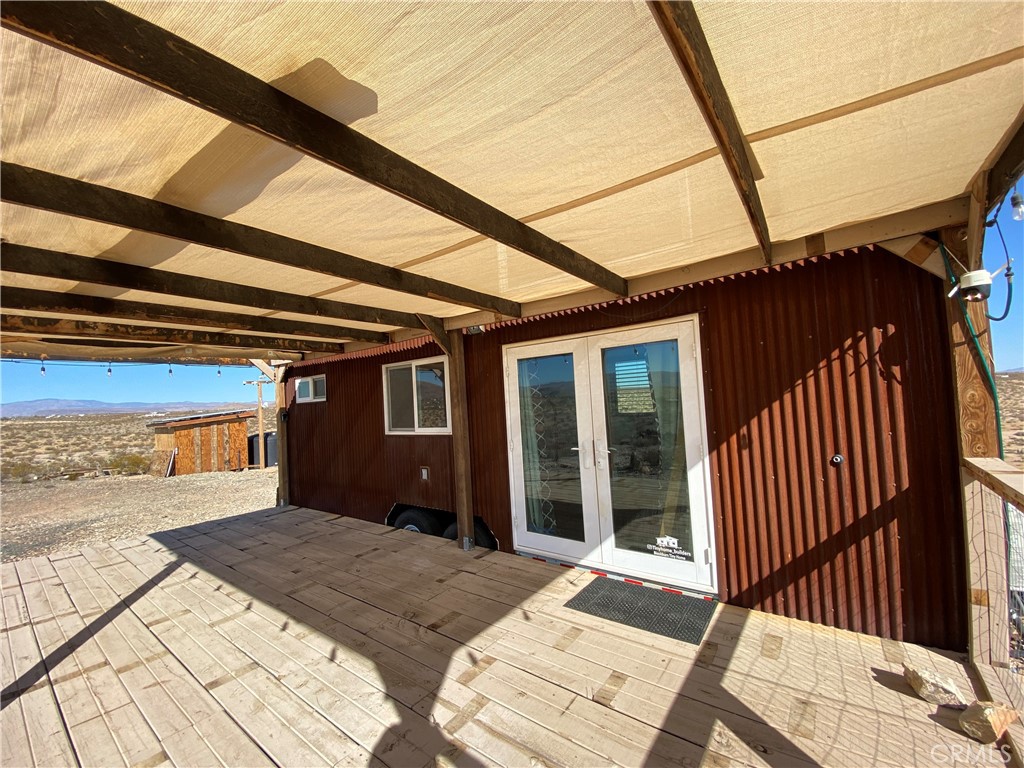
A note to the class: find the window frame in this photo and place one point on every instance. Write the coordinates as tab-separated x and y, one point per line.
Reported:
416	429
312	397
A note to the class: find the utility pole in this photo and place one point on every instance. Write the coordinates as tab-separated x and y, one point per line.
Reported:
259	418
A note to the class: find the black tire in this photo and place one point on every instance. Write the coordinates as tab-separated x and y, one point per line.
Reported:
482	536
419	521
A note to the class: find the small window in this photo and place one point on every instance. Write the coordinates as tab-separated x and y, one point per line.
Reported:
416	397
312	389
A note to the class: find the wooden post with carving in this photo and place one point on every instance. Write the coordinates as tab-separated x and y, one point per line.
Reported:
984	526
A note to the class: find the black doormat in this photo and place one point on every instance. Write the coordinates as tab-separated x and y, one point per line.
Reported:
680	617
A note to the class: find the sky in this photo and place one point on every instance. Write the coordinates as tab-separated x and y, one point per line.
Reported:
1007	335
145	383
21	380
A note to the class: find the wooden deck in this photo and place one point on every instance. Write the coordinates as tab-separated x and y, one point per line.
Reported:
292	637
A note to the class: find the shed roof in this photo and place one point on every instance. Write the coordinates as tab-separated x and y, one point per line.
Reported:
203	418
574	119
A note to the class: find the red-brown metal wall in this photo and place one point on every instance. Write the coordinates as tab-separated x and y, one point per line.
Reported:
340	460
845	356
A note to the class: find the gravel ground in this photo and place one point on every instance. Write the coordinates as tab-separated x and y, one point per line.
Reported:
46	517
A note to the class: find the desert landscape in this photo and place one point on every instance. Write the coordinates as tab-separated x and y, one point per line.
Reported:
1011	400
73	479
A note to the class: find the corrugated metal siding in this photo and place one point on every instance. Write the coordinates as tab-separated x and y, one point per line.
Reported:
843	355
341	461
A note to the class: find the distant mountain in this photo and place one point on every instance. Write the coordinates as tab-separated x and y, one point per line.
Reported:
1012	370
52	407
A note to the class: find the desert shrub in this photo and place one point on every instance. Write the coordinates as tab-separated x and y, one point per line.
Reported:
129	463
22	471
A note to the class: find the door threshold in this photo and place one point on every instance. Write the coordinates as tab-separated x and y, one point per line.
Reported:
649	583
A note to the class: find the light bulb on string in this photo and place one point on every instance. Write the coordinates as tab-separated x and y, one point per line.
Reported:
169	371
42	368
218	371
1017	203
109	372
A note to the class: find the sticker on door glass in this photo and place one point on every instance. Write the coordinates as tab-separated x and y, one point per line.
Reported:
668	546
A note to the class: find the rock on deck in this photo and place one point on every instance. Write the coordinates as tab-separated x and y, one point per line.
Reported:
293	637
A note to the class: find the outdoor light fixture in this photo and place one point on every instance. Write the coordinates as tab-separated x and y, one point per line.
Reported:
42	368
169	371
1017	202
976	285
109	372
218	371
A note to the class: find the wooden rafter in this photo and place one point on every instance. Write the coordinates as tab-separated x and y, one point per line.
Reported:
679	23
30	348
437	330
48	191
1008	167
27	260
46	326
111	37
31	300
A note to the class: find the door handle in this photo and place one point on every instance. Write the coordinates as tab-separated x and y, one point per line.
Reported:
584	456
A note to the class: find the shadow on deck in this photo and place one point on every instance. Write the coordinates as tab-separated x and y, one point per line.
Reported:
294	637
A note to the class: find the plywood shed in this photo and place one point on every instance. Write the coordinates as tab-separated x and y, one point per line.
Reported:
206	442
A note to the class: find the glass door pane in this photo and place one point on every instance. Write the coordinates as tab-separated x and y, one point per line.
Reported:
550	442
646	450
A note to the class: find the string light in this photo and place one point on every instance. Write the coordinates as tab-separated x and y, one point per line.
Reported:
109	371
169	371
218	371
42	368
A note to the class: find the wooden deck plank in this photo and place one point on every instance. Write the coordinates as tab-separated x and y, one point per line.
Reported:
301	638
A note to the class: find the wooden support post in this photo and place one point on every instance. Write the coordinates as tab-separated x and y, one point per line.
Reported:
462	463
281	400
984	527
976	412
259	423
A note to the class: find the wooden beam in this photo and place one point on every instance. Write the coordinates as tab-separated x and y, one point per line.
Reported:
102	350
975	402
976	217
106	35
682	30
919	250
1008	167
896	225
436	327
1003	479
265	368
462	466
47	326
51	192
31	300
26	260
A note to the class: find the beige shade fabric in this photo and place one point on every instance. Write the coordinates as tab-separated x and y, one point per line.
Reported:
574	117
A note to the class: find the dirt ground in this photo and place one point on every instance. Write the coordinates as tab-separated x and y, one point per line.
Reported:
50	516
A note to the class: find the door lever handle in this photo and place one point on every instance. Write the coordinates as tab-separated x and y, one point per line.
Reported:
584	456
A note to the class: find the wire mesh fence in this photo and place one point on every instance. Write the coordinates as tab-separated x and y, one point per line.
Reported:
1015	572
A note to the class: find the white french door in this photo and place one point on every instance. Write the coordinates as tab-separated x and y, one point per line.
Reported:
607	452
